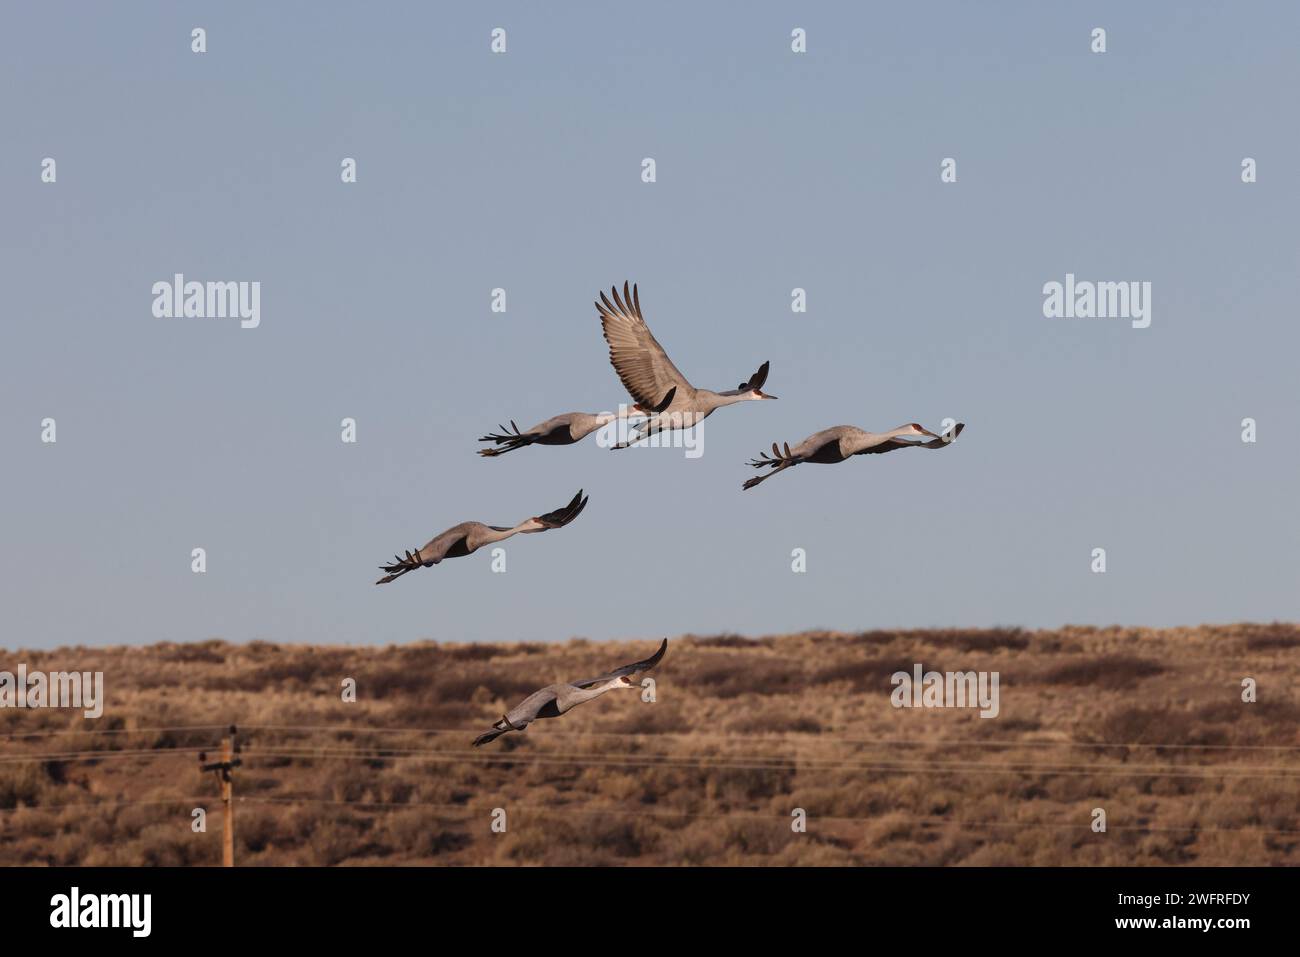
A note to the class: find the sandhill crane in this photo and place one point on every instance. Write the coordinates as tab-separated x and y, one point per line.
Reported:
555	700
467	537
647	372
837	444
563	429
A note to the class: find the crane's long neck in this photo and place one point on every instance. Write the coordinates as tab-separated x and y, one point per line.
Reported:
707	401
579	695
865	440
500	534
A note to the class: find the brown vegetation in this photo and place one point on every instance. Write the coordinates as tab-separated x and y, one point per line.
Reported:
1148	725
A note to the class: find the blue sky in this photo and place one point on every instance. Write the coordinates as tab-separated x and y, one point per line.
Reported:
522	171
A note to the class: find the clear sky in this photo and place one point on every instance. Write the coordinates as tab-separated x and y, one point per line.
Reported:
775	170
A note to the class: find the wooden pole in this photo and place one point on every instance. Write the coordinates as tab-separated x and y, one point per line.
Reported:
228	798
222	769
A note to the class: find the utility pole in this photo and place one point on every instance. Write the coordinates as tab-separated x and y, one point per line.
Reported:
222	769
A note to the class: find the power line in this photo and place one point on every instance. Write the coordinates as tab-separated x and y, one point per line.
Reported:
38	808
810	736
78	756
725	762
796	762
792	736
1248	772
43	734
886	818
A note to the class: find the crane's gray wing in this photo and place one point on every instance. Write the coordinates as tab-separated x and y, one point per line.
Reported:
631	669
641	363
946	439
436	549
753	382
521	715
563	516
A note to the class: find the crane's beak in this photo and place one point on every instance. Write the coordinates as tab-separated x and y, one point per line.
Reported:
763	395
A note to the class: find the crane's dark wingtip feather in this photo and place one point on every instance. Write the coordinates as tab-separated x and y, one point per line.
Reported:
666	401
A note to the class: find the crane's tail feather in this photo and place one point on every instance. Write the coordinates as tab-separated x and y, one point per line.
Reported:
510	439
400	566
778	461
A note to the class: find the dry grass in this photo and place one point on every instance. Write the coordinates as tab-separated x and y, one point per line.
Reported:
1146	724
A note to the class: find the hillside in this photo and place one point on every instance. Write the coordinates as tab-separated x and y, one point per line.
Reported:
1147	724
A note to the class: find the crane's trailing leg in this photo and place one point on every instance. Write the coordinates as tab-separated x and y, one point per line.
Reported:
650	422
634	438
498	729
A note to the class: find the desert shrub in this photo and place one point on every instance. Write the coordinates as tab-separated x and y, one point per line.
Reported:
1140	725
435	714
1274	636
22	783
868	674
660	719
205	652
777	721
461	687
1112	672
730	641
259	827
423	833
984	639
167	845
763	677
